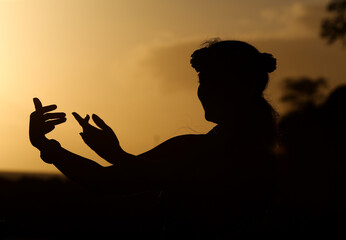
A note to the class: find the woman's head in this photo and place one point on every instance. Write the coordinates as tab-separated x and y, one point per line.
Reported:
232	75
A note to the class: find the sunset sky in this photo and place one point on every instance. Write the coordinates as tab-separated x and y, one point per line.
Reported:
128	61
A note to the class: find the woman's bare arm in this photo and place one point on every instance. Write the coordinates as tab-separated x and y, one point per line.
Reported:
152	170
130	174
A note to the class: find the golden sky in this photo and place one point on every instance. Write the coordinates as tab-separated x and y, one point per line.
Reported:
128	61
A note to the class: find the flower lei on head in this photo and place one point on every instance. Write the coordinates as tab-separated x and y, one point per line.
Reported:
204	58
199	59
268	62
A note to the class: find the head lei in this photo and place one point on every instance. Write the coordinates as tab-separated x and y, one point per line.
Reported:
232	54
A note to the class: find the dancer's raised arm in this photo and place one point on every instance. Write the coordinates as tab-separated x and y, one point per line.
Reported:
130	174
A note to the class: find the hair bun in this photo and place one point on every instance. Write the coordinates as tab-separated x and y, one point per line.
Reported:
269	62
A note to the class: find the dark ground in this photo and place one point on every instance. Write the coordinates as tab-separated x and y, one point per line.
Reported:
52	207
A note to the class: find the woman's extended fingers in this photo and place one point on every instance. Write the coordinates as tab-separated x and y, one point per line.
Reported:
99	122
48	108
82	121
78	118
55	121
39	108
38	104
49	116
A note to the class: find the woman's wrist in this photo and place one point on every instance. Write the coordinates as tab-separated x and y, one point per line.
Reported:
50	151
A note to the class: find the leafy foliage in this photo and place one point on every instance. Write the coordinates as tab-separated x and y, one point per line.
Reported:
304	92
334	27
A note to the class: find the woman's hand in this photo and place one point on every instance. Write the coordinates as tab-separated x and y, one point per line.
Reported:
102	140
43	122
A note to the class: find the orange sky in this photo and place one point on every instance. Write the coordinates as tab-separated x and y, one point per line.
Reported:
128	61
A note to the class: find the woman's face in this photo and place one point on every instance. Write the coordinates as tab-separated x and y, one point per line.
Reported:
218	96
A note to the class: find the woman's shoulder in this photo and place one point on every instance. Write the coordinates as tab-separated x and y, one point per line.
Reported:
177	145
185	141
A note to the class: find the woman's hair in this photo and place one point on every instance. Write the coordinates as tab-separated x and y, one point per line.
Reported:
242	59
237	56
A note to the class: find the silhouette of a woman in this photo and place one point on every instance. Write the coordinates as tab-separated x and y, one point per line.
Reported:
215	185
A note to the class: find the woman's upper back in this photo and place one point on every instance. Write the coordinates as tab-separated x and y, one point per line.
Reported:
214	182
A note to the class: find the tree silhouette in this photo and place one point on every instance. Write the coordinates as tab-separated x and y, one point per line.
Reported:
304	92
333	28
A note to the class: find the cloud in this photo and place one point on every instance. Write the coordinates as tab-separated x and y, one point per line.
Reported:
313	17
171	65
164	66
290	33
297	20
310	57
167	68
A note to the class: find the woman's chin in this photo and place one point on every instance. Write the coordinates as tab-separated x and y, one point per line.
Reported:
210	118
